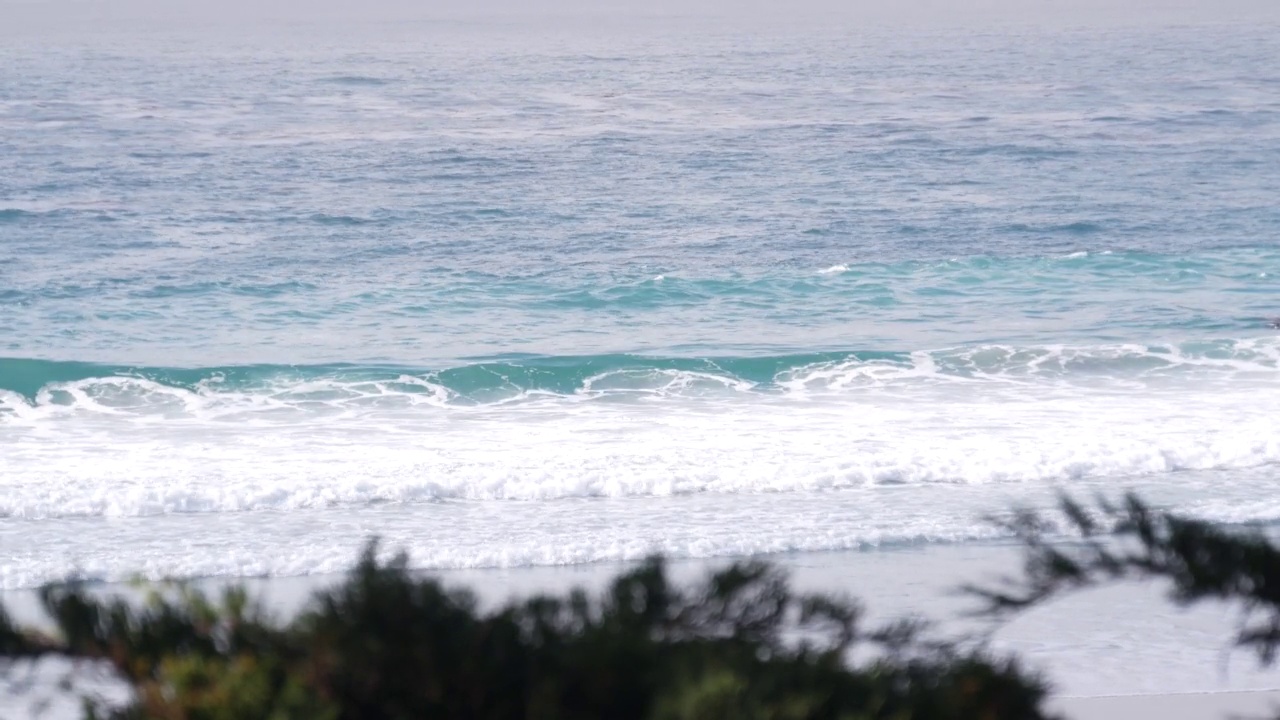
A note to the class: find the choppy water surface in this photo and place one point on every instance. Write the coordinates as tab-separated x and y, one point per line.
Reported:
515	298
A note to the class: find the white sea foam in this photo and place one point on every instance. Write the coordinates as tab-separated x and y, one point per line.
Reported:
286	400
834	270
116	463
460	534
1120	367
288	476
661	383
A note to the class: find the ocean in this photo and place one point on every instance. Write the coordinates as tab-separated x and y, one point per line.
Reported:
517	296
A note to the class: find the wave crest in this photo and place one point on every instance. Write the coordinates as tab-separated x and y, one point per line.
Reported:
28	386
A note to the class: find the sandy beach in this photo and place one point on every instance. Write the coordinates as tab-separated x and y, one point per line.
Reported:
1176	706
1113	653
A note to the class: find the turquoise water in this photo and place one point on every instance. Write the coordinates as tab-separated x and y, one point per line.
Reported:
521	294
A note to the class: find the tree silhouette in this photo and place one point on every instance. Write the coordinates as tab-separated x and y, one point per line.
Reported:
1199	559
387	644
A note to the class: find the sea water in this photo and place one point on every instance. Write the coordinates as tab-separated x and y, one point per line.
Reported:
518	294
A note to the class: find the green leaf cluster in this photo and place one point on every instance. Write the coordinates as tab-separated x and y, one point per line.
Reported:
387	644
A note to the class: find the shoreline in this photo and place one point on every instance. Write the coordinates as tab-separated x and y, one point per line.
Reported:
1099	648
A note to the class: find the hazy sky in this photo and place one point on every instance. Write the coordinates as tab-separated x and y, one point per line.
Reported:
18	15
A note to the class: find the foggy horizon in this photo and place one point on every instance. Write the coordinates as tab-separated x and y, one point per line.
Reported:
18	16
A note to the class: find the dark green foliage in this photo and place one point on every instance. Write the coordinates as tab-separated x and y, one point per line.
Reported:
1201	560
387	645
739	646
